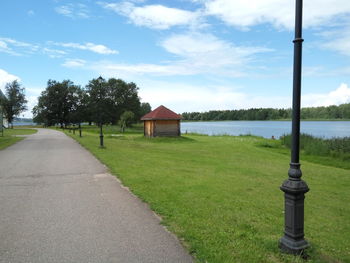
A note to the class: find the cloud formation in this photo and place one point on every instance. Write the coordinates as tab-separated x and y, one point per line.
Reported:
97	48
338	96
279	13
19	48
6	77
242	14
16	48
337	40
74	63
54	53
204	98
76	10
194	54
153	16
206	53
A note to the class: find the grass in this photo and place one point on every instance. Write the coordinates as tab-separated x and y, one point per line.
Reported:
333	152
220	194
10	138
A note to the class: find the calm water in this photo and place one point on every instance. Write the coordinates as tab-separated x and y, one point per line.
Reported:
15	123
267	129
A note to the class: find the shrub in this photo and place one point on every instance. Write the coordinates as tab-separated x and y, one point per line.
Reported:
335	147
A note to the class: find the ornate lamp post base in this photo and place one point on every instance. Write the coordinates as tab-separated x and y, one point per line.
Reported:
291	246
294	189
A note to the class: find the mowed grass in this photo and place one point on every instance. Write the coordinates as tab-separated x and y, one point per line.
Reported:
220	194
10	138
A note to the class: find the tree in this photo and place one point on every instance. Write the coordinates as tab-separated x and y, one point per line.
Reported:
125	97
102	101
60	103
126	119
145	108
110	98
100	104
15	102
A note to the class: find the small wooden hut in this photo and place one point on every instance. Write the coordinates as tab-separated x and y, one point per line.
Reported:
161	122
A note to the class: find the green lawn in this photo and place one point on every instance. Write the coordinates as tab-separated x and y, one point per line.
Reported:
220	194
9	137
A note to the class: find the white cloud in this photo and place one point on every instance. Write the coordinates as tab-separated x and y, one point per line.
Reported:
183	97
74	63
32	101
73	10
206	53
280	13
338	40
338	96
15	47
54	53
154	16
100	49
115	68
5	49
193	54
6	77
18	48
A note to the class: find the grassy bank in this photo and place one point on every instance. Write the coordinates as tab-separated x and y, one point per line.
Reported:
10	137
220	194
334	151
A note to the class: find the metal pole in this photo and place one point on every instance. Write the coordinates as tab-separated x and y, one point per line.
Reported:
294	188
1	123
79	129
101	136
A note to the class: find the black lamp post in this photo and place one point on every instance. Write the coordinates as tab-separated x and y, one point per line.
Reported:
294	188
79	129
100	80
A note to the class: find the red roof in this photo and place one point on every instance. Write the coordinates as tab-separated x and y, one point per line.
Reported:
161	113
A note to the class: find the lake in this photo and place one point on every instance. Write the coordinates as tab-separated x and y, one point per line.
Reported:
23	123
267	129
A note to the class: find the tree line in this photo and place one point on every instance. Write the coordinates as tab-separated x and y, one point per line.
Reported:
331	112
101	101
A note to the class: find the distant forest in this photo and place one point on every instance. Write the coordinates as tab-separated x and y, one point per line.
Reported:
320	113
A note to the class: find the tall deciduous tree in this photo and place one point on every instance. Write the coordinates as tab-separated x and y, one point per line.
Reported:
60	103
102	101
100	104
15	102
110	98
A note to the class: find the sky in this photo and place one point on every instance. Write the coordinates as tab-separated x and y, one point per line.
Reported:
188	55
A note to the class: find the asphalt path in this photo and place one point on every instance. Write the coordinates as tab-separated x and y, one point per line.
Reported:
59	204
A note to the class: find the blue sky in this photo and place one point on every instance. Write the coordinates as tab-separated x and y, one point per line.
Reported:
189	55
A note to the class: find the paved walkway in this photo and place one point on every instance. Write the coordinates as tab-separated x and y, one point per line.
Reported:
59	204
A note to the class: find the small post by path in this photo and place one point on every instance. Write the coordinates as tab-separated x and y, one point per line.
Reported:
1	124
79	130
101	137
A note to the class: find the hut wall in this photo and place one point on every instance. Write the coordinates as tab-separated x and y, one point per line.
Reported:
167	128
149	128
